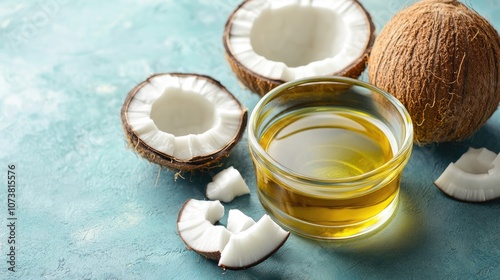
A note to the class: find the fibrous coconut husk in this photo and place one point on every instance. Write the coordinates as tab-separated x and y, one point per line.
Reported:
441	59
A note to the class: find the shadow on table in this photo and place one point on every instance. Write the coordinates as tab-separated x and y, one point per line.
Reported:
402	233
486	137
410	239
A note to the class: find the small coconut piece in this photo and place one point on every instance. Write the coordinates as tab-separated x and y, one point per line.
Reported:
441	59
226	185
474	177
196	228
270	42
237	221
182	121
254	245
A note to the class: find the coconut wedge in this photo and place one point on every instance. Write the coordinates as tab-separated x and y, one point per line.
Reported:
271	42
182	121
196	228
226	185
237	221
245	245
474	177
254	245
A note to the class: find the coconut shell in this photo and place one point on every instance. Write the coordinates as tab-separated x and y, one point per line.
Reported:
261	85
442	61
195	163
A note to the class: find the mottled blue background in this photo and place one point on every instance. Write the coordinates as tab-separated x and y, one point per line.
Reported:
89	208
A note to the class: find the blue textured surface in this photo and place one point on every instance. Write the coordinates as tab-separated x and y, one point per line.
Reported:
88	207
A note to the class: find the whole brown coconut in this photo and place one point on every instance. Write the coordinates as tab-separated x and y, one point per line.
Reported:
442	61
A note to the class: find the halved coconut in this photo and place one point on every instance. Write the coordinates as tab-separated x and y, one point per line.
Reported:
474	177
254	245
182	121
271	42
226	185
247	245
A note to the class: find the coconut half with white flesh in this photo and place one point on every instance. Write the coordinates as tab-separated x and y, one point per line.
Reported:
182	121
474	177
269	42
245	245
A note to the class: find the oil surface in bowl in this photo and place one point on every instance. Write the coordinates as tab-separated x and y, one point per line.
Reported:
328	143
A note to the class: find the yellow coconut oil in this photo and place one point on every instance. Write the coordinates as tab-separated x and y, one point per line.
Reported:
328	143
328	154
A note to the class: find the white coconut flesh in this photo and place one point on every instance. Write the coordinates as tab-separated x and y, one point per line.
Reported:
226	185
474	177
246	244
196	226
253	245
292	39
184	116
237	221
193	209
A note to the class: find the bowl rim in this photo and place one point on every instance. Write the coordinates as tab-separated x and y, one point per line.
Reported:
400	157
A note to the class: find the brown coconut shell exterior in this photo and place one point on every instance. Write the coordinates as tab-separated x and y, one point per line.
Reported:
442	61
195	163
262	85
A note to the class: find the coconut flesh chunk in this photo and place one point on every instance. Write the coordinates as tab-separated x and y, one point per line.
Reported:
226	185
474	177
237	221
196	228
253	245
285	40
245	245
183	121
